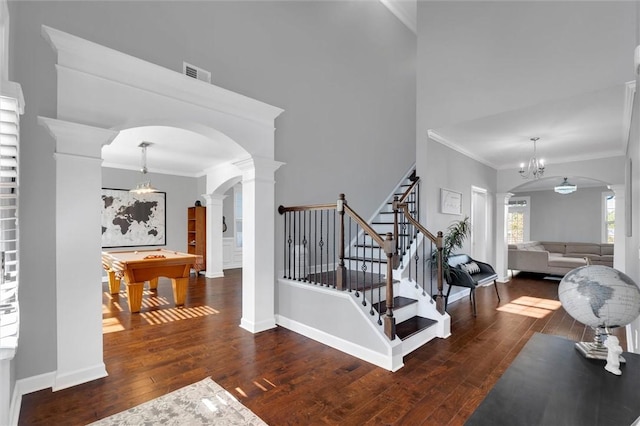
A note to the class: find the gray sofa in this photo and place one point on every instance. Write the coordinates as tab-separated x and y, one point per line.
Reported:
557	258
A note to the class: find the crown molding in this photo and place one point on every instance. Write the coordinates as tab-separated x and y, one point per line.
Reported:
436	137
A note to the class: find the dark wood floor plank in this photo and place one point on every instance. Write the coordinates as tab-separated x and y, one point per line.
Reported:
288	379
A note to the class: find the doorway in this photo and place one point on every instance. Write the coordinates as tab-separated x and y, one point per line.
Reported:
479	226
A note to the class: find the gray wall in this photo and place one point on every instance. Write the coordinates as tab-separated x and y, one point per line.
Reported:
446	168
573	217
181	193
344	72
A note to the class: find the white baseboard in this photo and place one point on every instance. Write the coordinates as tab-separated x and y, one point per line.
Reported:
66	380
375	358
25	386
257	327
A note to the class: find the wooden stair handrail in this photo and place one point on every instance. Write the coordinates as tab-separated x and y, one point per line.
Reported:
409	190
329	206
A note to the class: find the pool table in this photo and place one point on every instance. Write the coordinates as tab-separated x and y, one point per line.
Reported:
138	266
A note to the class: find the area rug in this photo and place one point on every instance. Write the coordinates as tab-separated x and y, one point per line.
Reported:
202	403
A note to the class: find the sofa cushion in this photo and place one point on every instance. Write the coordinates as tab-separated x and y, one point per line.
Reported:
554	247
566	262
606	249
583	248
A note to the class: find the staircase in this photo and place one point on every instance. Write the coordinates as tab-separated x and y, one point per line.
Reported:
355	280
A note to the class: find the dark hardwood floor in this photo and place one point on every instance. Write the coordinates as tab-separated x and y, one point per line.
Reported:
288	379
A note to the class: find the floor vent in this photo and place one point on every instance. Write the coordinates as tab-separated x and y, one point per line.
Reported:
195	72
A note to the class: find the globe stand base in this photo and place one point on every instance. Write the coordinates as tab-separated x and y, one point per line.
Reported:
592	350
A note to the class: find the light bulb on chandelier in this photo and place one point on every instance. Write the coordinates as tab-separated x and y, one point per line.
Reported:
535	168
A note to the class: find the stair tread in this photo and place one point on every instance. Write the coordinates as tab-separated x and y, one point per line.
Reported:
413	325
398	302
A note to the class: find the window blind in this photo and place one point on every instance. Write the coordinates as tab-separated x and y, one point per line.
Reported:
9	148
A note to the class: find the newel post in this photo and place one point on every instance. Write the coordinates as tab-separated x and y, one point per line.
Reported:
389	320
341	271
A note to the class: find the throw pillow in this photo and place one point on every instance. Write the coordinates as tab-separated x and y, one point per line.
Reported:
471	267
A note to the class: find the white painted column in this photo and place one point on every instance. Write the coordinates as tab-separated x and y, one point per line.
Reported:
78	277
502	248
620	236
258	243
214	235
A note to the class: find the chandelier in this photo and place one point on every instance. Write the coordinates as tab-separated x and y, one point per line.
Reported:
144	187
565	187
535	168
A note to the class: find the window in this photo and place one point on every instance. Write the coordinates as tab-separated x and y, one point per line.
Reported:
10	110
518	220
609	203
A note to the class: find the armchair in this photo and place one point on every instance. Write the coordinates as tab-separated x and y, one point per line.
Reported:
464	273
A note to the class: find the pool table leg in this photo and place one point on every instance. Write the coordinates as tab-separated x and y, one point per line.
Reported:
134	296
153	284
179	290
114	283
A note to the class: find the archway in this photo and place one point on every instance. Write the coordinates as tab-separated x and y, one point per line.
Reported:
583	179
100	92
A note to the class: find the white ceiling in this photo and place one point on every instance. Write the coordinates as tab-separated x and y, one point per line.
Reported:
589	119
501	73
172	151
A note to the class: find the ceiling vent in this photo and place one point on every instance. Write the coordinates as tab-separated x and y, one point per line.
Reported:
195	72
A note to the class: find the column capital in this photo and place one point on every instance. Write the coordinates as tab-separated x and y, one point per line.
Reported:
504	195
212	199
77	139
619	189
258	168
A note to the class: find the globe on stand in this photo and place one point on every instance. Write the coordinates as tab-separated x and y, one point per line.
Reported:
602	298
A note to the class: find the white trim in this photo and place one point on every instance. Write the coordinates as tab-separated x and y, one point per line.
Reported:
342	345
25	386
78	377
440	139
255	326
92	58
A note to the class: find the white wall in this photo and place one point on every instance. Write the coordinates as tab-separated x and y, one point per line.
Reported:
344	72
575	217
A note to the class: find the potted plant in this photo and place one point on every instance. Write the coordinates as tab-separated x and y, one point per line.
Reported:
452	240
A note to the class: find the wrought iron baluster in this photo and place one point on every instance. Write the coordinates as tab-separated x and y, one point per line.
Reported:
289	241
284	247
315	251
304	247
321	244
295	250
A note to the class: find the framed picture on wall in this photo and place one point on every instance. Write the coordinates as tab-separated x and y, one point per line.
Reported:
450	202
130	220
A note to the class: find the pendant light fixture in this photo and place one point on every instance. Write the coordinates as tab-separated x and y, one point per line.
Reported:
144	186
535	167
565	187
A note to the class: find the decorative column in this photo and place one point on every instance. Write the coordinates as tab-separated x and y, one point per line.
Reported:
214	235
258	240
620	236
78	277
502	248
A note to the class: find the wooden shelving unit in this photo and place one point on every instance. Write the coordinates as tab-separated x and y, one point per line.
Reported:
197	232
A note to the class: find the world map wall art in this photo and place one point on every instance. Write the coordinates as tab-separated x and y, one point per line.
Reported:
130	220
